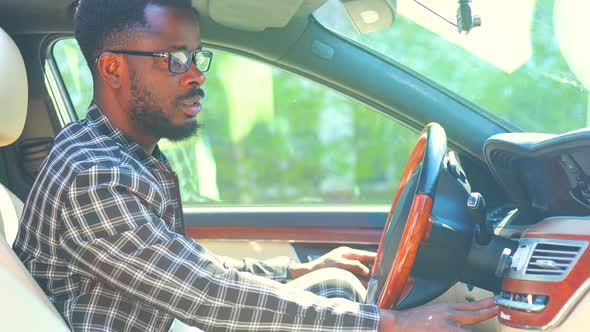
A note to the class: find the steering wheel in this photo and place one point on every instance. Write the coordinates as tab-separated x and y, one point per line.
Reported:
399	244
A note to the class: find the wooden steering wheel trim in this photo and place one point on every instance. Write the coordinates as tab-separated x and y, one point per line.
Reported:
416	230
417	227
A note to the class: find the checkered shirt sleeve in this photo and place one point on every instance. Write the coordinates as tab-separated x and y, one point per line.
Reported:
277	268
110	235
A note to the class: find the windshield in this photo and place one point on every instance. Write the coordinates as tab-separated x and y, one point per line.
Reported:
513	65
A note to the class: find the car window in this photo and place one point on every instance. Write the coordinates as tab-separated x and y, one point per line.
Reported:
74	73
272	138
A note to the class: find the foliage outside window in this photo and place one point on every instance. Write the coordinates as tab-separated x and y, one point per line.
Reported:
277	140
512	65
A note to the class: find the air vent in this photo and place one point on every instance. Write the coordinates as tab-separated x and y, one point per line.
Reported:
552	260
502	159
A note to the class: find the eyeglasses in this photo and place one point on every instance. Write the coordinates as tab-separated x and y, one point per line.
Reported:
178	61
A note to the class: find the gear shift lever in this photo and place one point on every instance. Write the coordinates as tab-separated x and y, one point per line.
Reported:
477	209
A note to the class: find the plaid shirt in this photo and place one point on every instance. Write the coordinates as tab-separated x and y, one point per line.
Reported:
103	235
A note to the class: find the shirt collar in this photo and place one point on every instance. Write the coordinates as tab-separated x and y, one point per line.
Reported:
97	119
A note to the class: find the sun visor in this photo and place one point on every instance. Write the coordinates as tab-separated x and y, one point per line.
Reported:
569	20
255	15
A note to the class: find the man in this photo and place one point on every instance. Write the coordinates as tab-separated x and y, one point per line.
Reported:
103	229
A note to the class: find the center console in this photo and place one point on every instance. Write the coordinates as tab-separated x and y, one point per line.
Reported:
546	285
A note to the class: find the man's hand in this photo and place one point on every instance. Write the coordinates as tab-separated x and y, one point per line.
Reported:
353	260
438	317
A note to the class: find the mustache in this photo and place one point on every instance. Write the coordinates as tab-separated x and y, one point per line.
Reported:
193	93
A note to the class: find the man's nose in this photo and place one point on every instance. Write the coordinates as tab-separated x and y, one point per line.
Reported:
193	77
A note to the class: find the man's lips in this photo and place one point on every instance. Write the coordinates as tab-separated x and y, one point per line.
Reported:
191	106
191	100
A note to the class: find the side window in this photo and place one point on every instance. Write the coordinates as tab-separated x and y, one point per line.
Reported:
75	74
272	138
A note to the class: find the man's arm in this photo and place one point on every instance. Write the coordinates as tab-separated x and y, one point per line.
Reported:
111	236
283	269
353	260
277	268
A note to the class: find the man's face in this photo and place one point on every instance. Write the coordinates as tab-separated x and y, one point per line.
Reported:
163	104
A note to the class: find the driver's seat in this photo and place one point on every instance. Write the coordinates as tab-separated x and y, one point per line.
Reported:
23	304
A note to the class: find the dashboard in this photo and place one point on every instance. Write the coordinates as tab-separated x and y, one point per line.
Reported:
544	175
546	280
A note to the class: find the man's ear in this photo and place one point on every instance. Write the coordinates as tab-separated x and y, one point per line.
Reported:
109	68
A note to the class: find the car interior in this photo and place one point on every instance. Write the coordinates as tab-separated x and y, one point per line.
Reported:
481	208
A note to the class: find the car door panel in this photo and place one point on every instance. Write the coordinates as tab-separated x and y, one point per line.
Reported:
300	234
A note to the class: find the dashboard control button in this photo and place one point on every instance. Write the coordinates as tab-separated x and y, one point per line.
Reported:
540	299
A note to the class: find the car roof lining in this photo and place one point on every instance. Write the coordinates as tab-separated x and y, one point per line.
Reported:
256	15
36	16
265	28
55	16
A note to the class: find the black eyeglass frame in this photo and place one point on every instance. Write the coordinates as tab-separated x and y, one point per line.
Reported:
168	55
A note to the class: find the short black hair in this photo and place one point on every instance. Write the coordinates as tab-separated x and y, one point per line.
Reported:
101	22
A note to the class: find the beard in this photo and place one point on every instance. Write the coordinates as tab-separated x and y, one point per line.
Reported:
149	117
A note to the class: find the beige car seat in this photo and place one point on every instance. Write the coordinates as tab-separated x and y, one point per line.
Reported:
23	305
